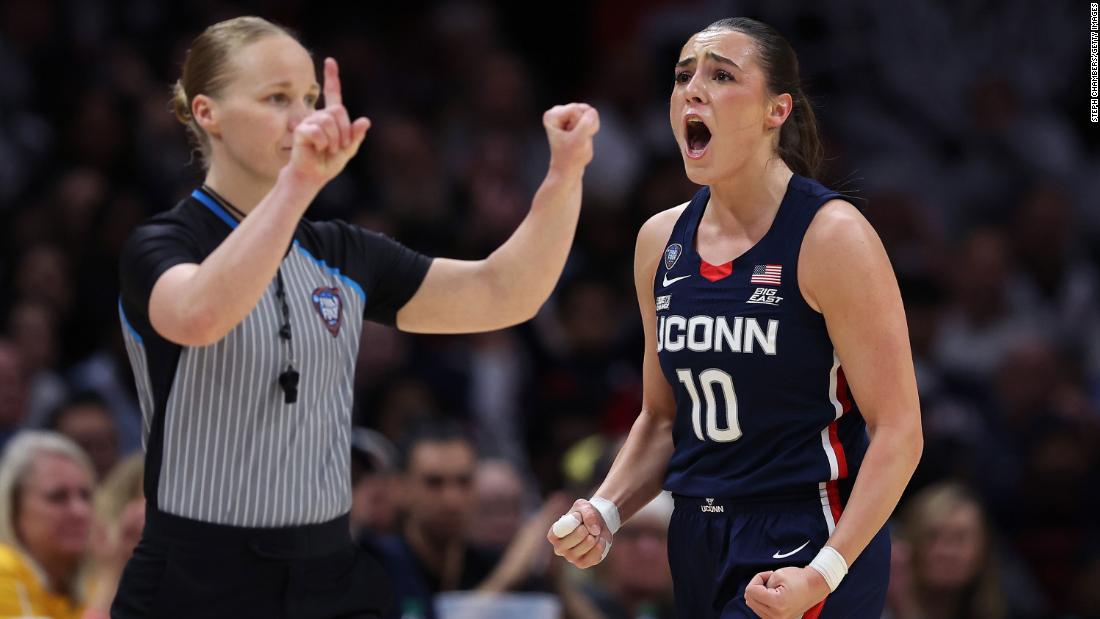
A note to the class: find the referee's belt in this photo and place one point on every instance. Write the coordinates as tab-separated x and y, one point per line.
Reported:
298	542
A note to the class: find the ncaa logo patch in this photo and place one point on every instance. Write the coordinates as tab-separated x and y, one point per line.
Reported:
328	304
672	254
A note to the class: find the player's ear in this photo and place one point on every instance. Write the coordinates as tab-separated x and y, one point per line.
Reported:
777	111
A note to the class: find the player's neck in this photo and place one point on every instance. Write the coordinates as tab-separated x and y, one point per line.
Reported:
241	189
749	199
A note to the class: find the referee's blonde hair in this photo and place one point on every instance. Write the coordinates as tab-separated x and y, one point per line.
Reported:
18	458
206	68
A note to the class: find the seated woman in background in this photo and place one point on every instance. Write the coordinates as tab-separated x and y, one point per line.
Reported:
944	566
119	519
46	484
46	515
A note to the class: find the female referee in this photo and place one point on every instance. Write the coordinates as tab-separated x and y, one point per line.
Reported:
243	323
775	344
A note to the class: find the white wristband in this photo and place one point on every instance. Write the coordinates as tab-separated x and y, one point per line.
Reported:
831	565
609	512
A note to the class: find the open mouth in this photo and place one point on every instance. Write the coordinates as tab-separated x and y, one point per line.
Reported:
697	136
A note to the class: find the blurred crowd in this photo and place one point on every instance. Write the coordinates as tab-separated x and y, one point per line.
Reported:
960	129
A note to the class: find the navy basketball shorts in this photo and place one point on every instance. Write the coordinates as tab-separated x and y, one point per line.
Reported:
716	546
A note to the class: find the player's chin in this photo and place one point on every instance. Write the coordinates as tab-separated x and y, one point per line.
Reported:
700	172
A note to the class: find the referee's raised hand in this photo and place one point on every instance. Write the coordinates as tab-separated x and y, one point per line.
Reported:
327	139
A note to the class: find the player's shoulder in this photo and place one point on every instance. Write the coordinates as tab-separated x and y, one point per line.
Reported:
655	231
838	225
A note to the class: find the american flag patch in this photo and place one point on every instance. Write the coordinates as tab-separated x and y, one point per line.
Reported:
766	274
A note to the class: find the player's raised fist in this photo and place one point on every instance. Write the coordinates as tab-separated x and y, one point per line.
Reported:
570	128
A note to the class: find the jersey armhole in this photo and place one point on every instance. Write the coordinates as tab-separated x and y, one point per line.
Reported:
668	239
803	302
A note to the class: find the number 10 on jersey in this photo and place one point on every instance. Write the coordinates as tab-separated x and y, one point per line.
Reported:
709	381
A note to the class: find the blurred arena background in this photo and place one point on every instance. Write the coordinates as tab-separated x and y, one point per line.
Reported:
961	128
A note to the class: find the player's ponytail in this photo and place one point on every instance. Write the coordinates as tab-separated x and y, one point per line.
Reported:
799	144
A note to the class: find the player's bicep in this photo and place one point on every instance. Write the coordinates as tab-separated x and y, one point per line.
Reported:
847	276
657	396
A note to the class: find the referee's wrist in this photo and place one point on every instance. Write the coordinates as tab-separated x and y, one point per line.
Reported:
299	187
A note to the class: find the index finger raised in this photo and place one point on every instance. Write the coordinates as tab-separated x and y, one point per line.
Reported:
333	97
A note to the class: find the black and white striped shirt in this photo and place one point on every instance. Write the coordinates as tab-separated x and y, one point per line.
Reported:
222	446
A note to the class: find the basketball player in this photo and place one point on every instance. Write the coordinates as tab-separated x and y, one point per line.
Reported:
243	323
780	404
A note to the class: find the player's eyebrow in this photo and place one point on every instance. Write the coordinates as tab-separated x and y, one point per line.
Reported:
713	56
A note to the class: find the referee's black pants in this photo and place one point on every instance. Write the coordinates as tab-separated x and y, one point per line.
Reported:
189	569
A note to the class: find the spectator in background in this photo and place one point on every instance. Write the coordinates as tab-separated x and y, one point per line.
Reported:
979	328
46	484
1051	515
33	329
1055	286
13	392
430	553
107	374
119	520
585	383
402	402
500	499
948	568
635	581
44	274
85	419
1086	588
373	486
1031	390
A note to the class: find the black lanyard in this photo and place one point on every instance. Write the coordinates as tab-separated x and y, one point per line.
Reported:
288	379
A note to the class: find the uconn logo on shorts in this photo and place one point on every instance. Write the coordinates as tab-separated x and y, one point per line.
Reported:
712	508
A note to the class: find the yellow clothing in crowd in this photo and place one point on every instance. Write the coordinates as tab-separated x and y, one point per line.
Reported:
23	593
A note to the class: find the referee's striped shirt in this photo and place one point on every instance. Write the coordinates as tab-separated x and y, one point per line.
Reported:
221	444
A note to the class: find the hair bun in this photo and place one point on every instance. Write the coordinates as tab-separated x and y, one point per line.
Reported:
180	103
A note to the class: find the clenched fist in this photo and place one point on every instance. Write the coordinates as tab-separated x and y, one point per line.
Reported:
570	128
587	538
786	593
326	139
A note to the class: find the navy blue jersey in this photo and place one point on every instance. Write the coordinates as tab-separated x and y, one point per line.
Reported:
762	406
